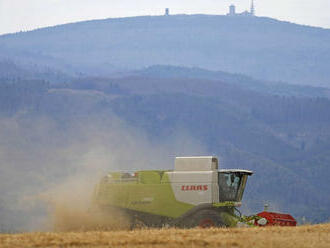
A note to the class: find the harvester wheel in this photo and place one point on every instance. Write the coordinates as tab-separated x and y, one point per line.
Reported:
206	223
137	223
206	219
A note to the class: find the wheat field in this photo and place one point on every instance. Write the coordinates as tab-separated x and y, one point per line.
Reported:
270	237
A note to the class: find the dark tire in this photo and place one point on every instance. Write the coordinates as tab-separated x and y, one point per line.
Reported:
205	219
137	223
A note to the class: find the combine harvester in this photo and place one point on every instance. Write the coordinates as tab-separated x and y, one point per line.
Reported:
195	193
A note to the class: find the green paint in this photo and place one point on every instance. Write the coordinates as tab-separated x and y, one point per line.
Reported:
229	219
224	204
149	192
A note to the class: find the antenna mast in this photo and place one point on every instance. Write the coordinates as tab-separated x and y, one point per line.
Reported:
252	11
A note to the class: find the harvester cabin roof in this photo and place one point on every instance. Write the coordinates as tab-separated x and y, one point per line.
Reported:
205	163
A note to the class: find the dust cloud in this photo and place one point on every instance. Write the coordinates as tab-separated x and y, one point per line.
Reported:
49	168
70	209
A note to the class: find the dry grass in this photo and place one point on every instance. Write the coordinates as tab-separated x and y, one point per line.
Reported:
273	237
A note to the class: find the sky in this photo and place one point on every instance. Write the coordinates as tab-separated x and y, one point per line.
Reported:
23	15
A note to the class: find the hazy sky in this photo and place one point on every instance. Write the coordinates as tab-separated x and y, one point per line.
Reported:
16	15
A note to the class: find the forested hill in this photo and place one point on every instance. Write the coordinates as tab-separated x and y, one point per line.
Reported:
240	80
260	47
284	139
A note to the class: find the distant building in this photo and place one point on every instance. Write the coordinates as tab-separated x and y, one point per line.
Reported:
232	11
245	13
167	12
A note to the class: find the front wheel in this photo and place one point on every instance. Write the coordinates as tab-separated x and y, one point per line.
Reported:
205	219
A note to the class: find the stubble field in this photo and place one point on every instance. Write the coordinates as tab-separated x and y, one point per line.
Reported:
272	237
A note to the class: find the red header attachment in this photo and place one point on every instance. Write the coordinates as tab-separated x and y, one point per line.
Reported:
277	219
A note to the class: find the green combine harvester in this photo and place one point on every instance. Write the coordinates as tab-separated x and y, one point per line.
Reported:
195	193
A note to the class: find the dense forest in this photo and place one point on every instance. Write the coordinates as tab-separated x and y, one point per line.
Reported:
285	138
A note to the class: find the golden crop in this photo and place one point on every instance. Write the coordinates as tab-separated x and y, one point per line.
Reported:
269	237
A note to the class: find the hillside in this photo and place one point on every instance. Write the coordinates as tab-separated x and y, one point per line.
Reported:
261	47
240	80
51	132
276	237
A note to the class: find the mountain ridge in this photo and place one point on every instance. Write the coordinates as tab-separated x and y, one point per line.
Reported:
146	16
260	47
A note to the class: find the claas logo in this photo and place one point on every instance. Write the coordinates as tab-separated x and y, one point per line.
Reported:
194	187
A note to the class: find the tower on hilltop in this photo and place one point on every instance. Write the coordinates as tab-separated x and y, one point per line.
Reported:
232	10
253	10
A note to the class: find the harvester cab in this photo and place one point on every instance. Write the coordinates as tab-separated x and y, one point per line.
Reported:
195	193
197	180
232	185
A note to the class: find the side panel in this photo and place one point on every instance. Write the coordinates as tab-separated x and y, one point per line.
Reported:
197	187
215	191
157	199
